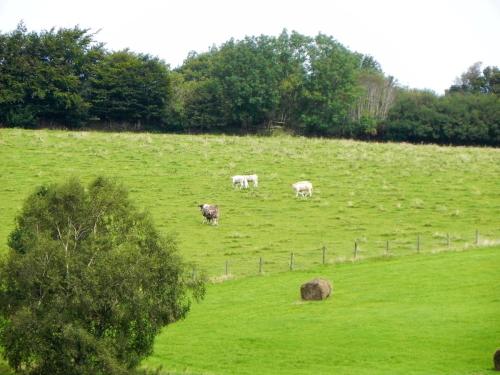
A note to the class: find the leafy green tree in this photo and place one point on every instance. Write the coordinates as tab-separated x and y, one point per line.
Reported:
476	81
470	119
198	66
492	80
204	106
88	283
175	119
458	118
330	87
414	117
43	76
306	84
198	98
233	86
248	75
16	78
292	56
368	63
131	88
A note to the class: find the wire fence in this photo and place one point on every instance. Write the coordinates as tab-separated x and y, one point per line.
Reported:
341	252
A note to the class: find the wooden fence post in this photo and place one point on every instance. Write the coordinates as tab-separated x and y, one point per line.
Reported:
387	247
227	267
324	254
355	249
291	261
260	265
447	239
477	237
418	243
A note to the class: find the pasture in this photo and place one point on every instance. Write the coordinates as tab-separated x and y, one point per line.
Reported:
409	314
365	192
421	314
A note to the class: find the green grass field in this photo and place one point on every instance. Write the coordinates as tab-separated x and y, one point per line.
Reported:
366	192
409	314
422	314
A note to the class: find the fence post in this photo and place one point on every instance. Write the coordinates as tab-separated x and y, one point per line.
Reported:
260	265
227	266
291	261
477	237
447	239
387	247
418	243
355	249
324	254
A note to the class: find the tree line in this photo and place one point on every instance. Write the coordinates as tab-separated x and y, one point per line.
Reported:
291	82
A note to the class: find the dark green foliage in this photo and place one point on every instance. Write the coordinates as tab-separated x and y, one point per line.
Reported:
88	283
65	78
458	118
292	59
305	84
312	86
44	77
330	87
368	63
232	87
412	116
471	119
247	74
204	106
131	88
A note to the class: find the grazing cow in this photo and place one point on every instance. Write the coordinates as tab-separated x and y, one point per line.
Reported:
303	188
253	178
210	213
241	181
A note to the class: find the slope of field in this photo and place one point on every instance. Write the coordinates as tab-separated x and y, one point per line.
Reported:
422	314
368	192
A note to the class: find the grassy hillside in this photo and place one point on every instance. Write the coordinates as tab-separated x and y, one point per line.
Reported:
424	314
419	314
367	192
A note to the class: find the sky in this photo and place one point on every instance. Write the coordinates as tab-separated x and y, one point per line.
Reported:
424	44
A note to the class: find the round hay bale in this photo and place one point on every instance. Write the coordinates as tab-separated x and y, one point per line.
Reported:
496	360
315	290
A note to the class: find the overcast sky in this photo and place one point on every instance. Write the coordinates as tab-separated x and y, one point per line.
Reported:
422	43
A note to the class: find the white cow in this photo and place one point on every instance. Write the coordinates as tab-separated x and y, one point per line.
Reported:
303	188
241	181
253	178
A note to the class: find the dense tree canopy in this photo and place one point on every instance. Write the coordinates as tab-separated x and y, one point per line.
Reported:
130	88
44	77
456	118
329	87
304	85
88	282
65	78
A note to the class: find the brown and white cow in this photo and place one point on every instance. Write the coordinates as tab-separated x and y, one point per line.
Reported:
210	213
